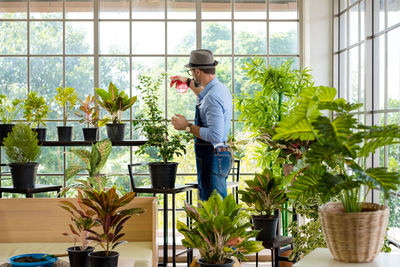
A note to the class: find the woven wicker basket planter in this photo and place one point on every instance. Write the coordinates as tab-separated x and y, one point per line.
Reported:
356	236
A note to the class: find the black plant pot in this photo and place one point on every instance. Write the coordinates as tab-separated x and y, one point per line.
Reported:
90	134
99	259
4	130
267	225
64	133
229	263
116	131
78	257
41	133
23	174
163	174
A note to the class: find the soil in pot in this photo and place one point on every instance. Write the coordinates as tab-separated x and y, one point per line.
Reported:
90	134
99	259
23	175
116	131
64	133
162	174
267	225
228	263
41	133
29	259
78	257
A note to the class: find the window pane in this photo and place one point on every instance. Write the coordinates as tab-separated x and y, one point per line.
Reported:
353	23
362	73
179	103
353	75
393	69
223	71
114	38
10	9
379	19
283	9
46	75
145	43
379	65
277	61
46	38
114	9
181	37
362	20
13	76
343	75
216	9
250	9
343	4
148	9
82	9
283	38
343	30
79	37
183	9
393	12
250	38
13	38
40	9
79	74
52	158
115	70
217	37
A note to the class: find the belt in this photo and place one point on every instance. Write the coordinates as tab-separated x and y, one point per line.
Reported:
223	149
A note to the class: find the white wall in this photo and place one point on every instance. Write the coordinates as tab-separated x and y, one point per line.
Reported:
317	42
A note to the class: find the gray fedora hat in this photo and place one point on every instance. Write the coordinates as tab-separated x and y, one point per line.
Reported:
201	59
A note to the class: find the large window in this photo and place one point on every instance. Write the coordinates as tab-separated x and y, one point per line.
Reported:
367	70
88	43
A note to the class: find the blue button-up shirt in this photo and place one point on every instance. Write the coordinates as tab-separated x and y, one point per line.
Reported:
215	106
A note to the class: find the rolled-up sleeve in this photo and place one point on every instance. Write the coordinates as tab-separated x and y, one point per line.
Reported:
214	132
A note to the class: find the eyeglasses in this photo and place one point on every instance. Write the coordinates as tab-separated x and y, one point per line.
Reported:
189	72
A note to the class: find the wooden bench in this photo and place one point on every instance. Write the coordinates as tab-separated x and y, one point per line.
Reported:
36	225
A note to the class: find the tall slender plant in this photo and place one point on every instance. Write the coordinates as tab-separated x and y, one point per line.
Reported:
66	98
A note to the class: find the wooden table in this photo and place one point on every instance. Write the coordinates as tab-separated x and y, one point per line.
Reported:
321	257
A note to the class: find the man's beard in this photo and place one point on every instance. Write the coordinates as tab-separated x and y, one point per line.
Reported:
196	83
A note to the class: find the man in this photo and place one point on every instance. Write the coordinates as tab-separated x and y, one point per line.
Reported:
211	125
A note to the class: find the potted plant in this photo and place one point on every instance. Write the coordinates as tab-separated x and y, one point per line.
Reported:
89	114
82	219
22	150
334	167
8	111
154	127
264	196
35	113
66	98
111	215
114	102
219	231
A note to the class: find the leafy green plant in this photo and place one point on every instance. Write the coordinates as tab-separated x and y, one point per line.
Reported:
307	236
88	111
334	165
220	230
94	161
263	194
111	215
21	145
82	219
114	102
35	109
66	98
154	126
9	109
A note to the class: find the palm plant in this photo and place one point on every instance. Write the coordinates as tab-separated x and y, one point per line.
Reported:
334	165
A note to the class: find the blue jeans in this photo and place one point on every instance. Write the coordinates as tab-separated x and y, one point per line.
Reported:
212	170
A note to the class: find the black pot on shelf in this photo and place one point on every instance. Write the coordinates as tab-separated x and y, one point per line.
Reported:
162	174
23	175
78	257
4	130
99	259
41	133
90	134
267	225
116	131
64	133
229	263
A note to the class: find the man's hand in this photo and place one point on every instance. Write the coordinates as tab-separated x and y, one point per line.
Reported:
179	122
